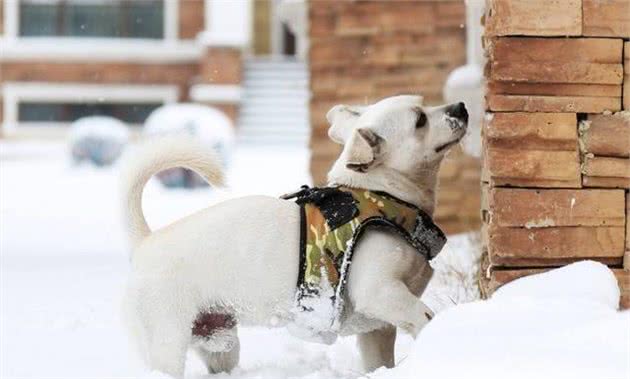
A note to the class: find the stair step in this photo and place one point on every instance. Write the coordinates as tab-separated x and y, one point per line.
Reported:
269	116
292	127
272	85
254	101
283	109
261	65
274	107
275	79
272	134
255	95
273	142
279	76
276	69
289	121
267	120
275	82
300	127
284	136
279	93
275	86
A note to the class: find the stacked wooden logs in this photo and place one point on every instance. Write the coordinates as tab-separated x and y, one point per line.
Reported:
556	164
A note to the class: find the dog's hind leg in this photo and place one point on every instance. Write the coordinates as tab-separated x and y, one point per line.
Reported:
377	348
167	326
220	361
168	353
215	338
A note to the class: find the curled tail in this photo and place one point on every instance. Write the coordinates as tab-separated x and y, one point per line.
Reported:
155	155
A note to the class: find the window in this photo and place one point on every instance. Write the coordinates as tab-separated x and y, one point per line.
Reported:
92	18
132	113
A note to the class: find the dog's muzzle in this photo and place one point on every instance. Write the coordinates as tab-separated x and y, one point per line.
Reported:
458	111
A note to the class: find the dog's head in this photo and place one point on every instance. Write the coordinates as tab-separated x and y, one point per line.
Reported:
397	132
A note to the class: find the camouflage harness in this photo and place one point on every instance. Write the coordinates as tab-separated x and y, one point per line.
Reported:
332	221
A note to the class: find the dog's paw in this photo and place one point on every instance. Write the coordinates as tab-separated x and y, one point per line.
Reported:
425	315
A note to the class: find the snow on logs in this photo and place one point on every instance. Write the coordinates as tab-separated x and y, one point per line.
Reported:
556	156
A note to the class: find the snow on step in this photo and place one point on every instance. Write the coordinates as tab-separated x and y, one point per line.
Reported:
274	110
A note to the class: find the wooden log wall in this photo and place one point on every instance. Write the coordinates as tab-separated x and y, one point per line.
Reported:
556	138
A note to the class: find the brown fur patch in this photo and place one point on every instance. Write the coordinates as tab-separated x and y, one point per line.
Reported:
206	324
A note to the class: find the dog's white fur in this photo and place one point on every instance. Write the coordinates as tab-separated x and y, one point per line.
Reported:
241	256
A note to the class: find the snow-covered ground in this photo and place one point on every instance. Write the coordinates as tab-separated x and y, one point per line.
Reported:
64	263
560	324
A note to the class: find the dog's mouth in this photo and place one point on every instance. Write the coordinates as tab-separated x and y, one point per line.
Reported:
458	127
446	145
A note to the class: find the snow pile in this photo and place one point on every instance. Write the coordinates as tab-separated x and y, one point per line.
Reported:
209	125
563	323
97	139
585	281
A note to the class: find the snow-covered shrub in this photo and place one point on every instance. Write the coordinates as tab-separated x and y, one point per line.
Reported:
99	140
211	126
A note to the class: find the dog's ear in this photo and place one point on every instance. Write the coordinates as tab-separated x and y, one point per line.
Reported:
342	119
363	150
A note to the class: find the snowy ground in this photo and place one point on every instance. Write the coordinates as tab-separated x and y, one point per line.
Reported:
64	263
560	324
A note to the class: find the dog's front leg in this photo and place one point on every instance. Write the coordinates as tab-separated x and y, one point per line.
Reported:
393	303
377	348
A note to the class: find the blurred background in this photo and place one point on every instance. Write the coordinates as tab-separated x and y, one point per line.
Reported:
81	80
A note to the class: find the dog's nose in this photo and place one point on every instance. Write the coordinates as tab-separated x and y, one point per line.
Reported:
458	111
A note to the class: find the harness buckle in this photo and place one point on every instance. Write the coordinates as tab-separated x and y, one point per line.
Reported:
299	193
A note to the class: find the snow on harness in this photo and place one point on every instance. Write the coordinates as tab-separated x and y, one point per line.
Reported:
333	219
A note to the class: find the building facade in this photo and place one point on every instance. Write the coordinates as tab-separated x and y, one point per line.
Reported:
61	60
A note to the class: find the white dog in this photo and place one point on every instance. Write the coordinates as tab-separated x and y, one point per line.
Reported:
237	262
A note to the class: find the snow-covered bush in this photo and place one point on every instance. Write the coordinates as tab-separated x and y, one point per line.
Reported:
99	140
209	125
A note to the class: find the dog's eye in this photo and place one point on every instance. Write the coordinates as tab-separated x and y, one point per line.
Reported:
422	120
